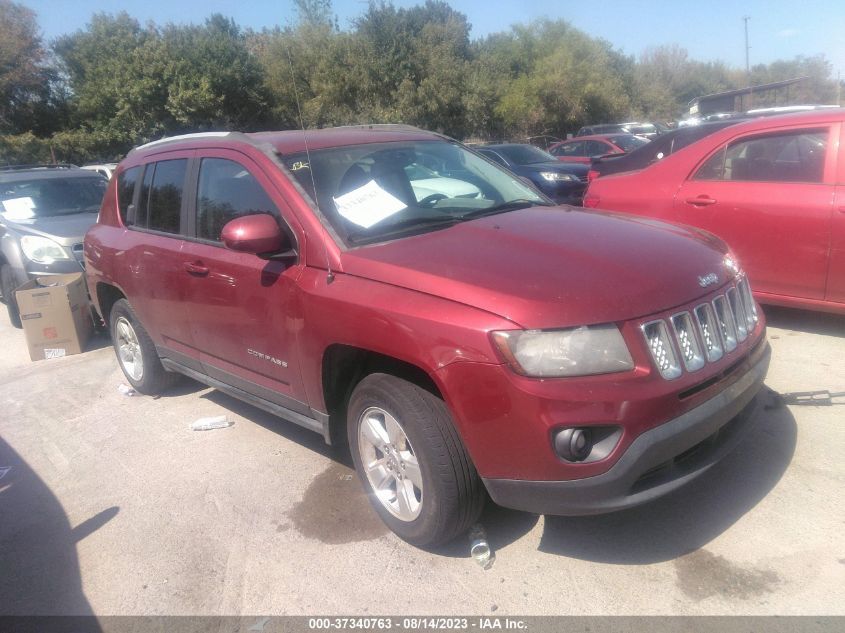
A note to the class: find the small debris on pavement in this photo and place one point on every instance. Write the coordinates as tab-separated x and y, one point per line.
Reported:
126	390
479	548
207	424
4	470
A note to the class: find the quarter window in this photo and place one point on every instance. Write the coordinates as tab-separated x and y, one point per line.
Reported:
227	191
166	195
792	157
142	211
126	182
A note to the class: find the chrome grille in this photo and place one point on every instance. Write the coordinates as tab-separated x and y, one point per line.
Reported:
744	289
78	254
687	341
738	314
726	322
706	320
704	334
662	351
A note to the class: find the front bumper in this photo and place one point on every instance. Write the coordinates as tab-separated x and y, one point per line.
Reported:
565	193
657	462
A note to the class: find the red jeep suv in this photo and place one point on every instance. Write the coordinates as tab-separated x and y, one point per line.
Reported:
391	287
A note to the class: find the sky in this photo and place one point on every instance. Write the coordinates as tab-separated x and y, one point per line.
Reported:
711	30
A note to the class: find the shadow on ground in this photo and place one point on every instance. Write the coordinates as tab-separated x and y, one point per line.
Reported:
692	516
805	321
39	568
322	505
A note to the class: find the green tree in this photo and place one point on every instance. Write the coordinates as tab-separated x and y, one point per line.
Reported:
666	80
27	98
555	78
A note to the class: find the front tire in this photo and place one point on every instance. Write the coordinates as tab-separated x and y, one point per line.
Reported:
411	461
7	287
136	352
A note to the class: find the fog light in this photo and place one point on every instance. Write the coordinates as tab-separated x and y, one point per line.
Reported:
574	445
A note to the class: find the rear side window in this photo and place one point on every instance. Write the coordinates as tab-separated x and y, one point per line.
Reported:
227	191
594	148
796	156
569	149
126	182
165	195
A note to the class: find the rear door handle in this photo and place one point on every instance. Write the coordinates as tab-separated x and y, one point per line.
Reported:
701	201
196	268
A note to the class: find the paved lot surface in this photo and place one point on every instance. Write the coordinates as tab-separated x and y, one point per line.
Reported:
113	506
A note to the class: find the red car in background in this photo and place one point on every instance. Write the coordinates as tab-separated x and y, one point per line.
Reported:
585	148
773	189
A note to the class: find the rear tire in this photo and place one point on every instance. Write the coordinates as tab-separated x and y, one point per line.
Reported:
136	352
411	461
7	287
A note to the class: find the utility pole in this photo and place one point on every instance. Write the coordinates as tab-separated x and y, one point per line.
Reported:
745	19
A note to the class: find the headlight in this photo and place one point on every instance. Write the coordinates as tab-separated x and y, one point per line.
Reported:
581	351
553	176
41	249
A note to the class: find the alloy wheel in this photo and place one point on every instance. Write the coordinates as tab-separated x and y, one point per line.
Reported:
390	463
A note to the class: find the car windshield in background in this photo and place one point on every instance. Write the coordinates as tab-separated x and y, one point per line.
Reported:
48	197
380	191
628	142
525	154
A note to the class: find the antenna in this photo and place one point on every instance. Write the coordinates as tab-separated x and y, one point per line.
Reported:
745	19
330	274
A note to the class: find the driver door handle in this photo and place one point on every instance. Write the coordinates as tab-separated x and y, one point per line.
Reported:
701	201
196	268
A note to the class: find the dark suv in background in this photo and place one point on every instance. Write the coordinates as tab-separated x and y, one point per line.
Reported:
45	211
564	183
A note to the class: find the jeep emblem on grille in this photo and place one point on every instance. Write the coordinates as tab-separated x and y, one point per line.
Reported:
707	280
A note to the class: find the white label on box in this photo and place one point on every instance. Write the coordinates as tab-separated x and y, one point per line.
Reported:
54	353
19	208
368	205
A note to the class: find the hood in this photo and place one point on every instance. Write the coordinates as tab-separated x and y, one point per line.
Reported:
65	229
551	267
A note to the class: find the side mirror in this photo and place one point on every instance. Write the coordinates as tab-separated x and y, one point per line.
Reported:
257	234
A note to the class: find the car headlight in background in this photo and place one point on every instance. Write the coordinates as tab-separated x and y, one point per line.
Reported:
41	249
581	351
553	176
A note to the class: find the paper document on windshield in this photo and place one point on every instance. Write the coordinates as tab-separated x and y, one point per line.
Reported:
19	208
368	205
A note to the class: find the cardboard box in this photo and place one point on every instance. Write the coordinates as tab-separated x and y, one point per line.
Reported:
55	315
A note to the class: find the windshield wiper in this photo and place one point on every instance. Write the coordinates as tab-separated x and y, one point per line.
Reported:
400	228
510	205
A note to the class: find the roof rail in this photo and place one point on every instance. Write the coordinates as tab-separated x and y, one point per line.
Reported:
377	126
183	137
38	166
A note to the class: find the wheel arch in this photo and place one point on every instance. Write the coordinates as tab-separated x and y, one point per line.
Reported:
344	366
106	296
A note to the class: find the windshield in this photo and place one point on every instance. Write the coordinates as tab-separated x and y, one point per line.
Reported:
379	191
48	197
629	142
525	154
